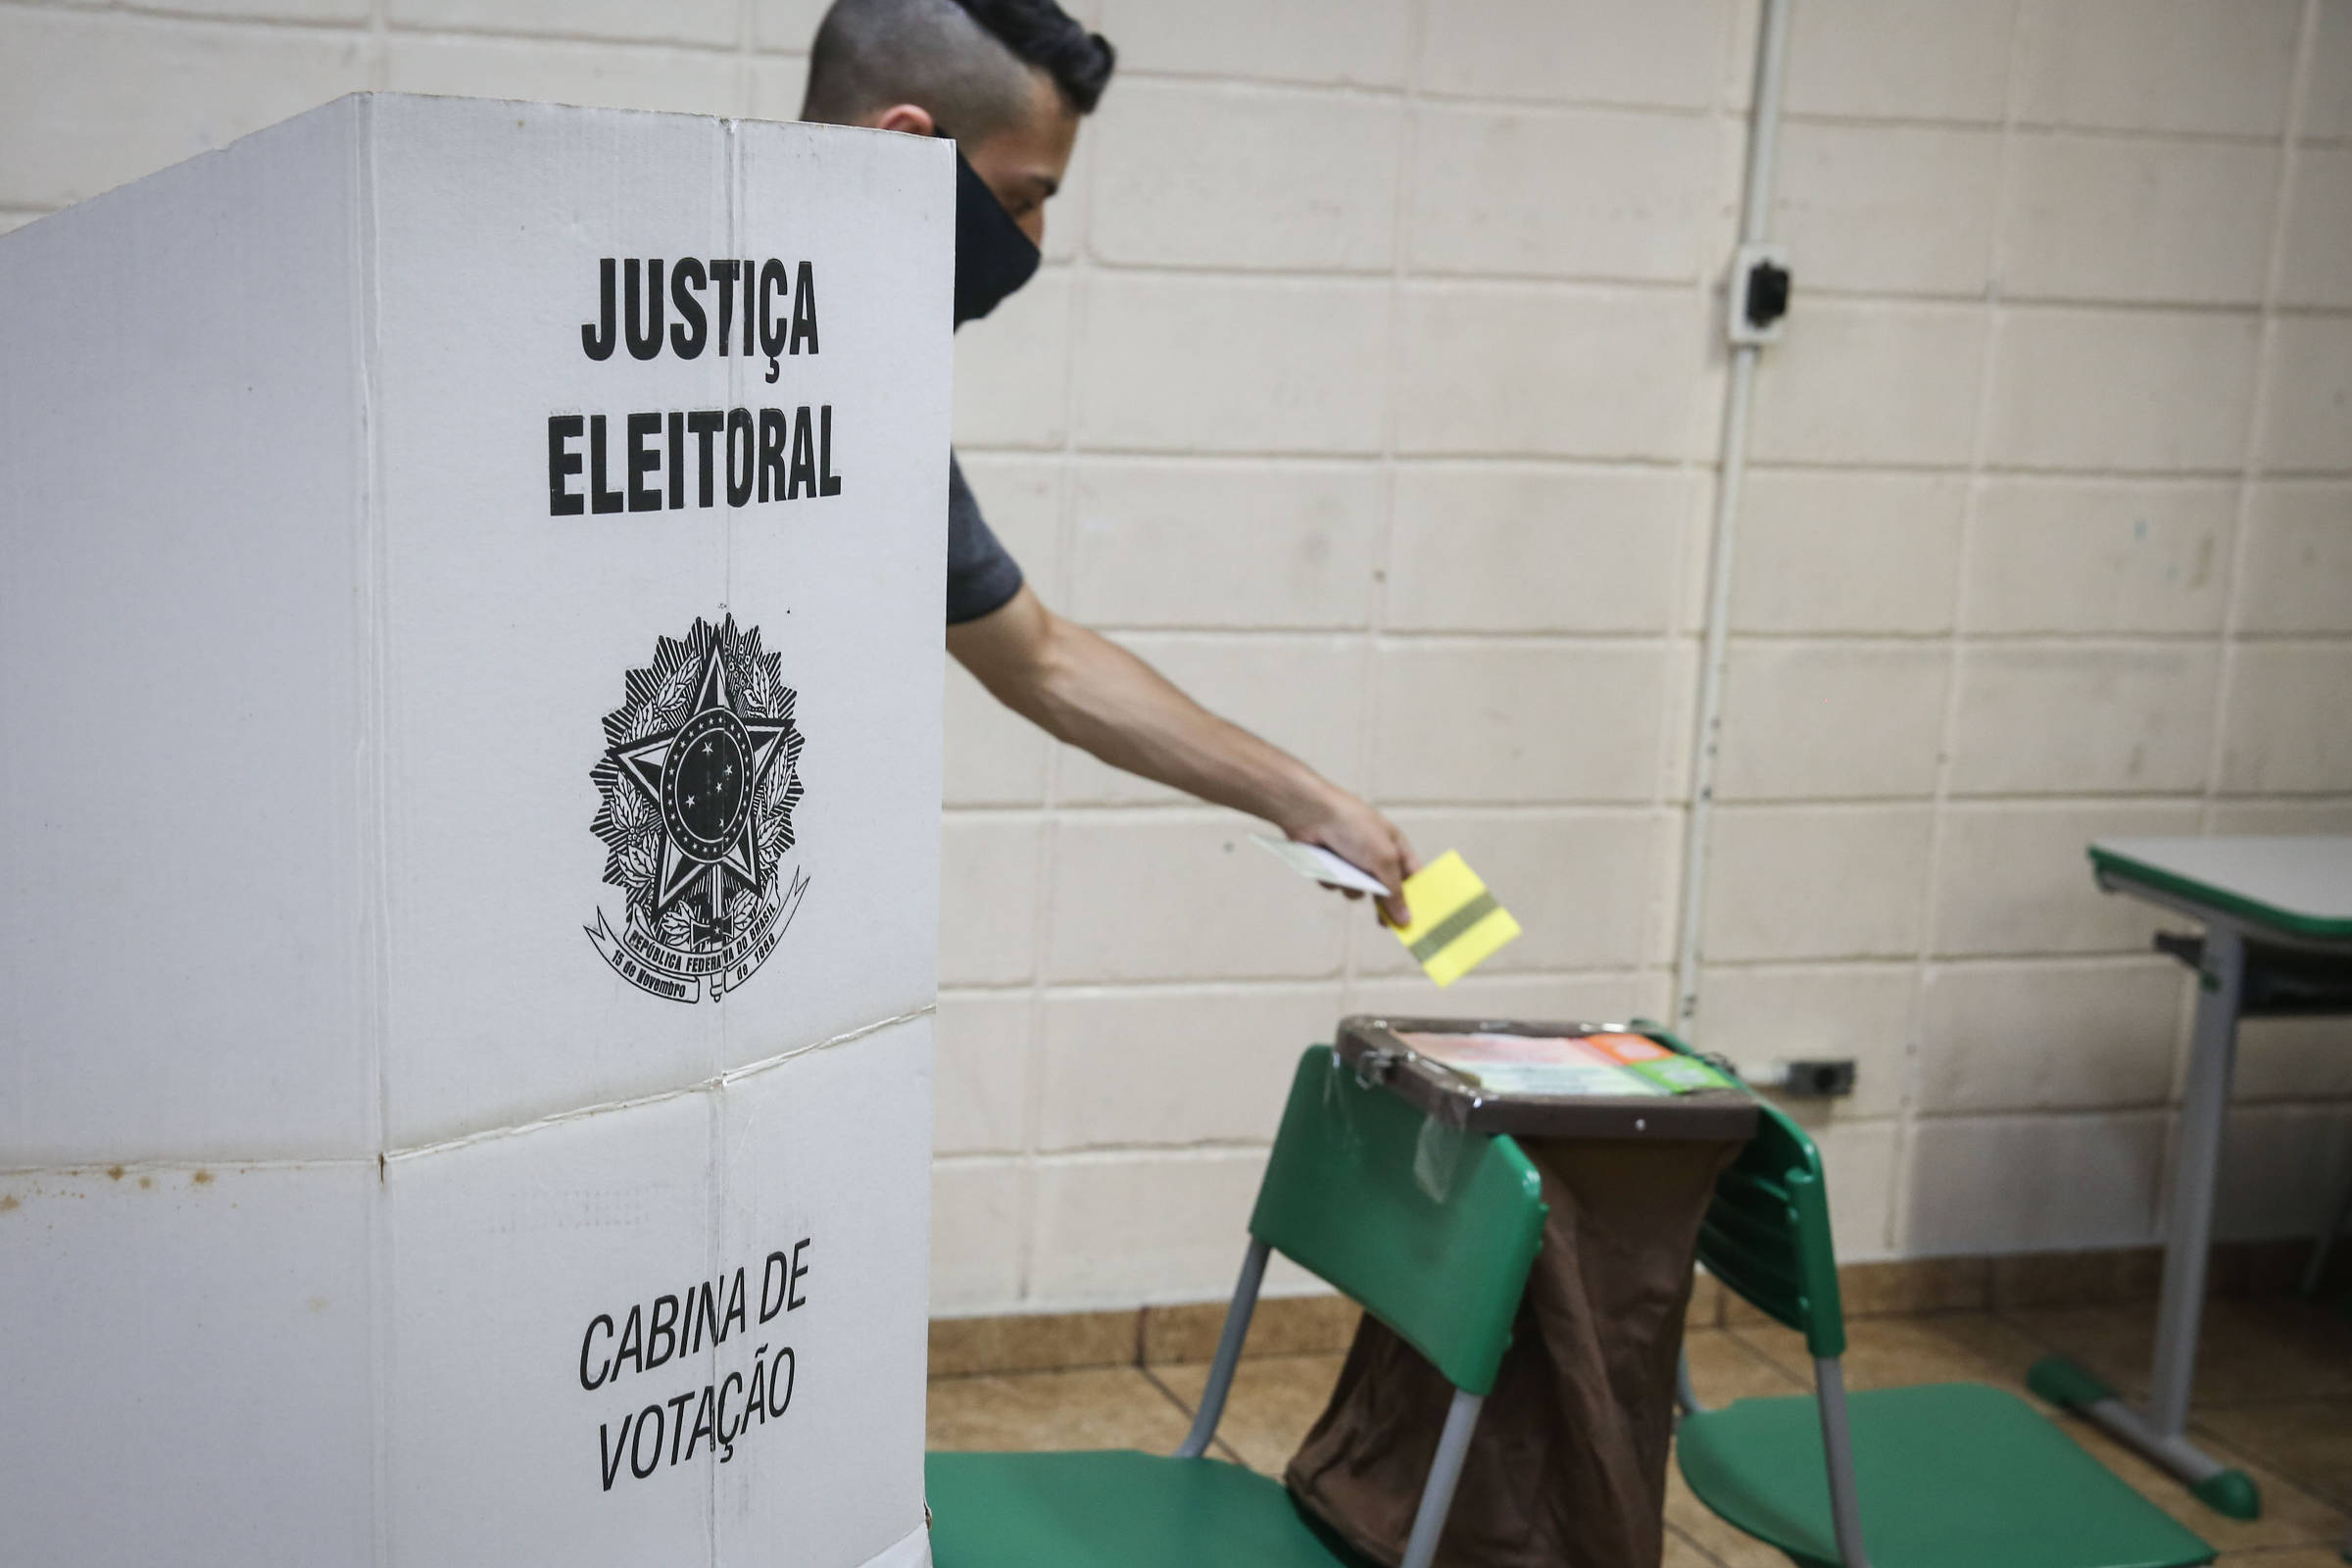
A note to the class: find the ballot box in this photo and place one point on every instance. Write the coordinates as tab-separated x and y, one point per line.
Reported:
1627	1130
1623	1084
470	683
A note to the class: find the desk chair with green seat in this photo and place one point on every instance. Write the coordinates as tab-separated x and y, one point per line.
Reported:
1440	1255
1951	1475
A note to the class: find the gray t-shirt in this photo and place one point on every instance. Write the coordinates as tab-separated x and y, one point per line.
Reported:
982	577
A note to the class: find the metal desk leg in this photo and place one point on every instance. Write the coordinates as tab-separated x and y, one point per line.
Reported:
2160	1431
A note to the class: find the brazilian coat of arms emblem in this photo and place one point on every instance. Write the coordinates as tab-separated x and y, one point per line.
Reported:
698	779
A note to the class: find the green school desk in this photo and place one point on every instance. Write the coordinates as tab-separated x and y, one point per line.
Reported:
2278	918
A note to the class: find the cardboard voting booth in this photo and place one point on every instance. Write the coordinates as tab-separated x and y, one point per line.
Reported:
470	682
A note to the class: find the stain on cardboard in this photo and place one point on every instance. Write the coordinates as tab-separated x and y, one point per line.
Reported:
202	1178
8	1204
146	1182
114	1173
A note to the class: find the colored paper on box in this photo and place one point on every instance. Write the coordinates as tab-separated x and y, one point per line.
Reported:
1680	1075
1456	925
1548	1066
1626	1050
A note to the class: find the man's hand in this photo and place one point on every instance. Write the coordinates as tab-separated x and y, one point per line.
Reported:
1089	692
1357	833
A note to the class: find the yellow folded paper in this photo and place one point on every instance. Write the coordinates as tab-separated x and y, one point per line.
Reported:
1456	923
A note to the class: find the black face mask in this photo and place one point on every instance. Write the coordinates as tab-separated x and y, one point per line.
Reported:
992	257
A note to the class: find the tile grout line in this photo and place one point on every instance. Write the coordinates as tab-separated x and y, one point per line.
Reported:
1370	705
1929	927
1762	1357
2251	471
1692	1541
1683	641
745	22
1048	853
715	1108
1189	1412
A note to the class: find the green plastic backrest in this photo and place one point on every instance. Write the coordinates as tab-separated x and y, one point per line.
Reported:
1766	1234
1432	1232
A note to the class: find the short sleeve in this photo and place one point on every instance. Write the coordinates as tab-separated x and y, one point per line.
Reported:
982	576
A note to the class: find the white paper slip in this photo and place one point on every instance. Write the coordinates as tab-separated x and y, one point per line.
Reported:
1318	865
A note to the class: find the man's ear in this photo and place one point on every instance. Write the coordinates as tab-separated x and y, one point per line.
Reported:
912	119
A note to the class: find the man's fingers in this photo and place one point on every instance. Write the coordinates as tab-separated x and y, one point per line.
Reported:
1363	837
1406	857
1392	868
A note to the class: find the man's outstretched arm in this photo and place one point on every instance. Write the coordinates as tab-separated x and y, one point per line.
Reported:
1082	687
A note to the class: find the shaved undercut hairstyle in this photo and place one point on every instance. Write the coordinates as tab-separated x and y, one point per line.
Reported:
968	61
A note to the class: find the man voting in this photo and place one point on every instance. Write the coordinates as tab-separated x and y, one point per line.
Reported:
1009	79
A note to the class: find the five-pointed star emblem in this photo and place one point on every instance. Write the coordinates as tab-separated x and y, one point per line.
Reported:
703	777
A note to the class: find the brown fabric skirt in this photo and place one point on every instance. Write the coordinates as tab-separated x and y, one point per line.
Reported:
1567	1468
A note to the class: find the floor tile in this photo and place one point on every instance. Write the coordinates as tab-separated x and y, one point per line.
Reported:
1696	1523
1275	1400
2274	1397
1043	1342
1273	1403
1113	1407
2307	1440
1683	1552
1725	1367
2075	1279
2277	1348
1708	1296
1894	1351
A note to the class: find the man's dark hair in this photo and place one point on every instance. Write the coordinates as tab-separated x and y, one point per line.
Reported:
965	61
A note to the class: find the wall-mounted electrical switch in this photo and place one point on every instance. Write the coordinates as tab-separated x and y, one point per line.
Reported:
1760	284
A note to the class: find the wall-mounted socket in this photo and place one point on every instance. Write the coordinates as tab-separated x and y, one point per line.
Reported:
1813	1078
1759	293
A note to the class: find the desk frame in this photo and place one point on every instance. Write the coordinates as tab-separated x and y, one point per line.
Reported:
2160	1431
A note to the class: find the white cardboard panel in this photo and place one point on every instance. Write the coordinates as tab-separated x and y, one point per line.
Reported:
503	1252
832	1148
181	436
298	805
857	602
913	1551
513	631
189	1362
296	826
246	1294
518	1259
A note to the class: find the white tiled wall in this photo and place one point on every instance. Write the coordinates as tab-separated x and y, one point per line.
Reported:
1371	387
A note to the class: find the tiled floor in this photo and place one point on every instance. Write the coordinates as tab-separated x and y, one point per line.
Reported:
2274	1395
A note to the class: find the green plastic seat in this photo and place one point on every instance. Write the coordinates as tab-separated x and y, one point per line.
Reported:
1950	1475
1431	1232
1118	1508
